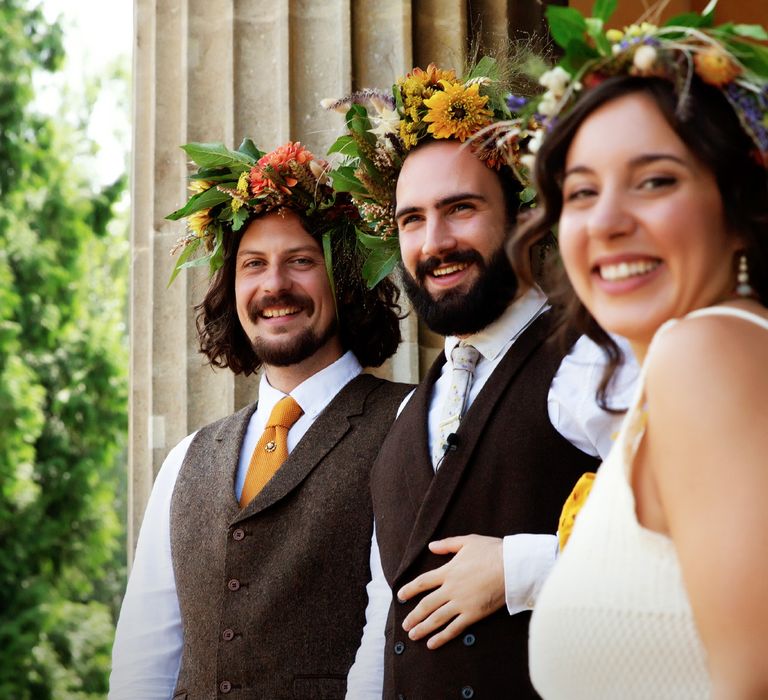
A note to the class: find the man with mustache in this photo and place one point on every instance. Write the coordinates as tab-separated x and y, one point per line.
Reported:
497	433
252	560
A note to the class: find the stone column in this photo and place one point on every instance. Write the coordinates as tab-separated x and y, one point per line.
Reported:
220	71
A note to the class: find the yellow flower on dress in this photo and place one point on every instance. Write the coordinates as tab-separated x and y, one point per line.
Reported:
573	505
715	66
457	111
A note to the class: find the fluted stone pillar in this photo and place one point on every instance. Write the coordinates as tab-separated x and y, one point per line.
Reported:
220	71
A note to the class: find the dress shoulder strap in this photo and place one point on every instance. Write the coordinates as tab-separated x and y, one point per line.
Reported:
731	311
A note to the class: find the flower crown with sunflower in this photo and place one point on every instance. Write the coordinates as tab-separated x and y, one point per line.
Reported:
424	104
230	188
726	56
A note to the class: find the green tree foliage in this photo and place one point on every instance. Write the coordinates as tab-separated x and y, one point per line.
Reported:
62	390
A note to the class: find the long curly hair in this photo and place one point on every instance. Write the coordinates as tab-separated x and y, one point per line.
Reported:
709	127
369	319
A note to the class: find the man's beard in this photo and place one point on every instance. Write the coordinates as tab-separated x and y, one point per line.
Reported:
297	348
459	312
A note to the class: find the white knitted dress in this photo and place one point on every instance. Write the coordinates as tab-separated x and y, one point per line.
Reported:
613	620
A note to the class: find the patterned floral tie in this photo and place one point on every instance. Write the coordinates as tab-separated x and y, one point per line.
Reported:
464	358
271	450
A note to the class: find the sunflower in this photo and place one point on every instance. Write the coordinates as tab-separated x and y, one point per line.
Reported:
199	221
457	111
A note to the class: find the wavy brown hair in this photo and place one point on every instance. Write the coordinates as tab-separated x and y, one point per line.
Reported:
707	124
369	319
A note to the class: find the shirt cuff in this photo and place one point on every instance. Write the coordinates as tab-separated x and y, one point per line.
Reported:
528	559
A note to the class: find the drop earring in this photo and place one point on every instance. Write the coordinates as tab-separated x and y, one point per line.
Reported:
743	287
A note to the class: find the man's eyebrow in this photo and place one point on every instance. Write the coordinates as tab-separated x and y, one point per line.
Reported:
444	202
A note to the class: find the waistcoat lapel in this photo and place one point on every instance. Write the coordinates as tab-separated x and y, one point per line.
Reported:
317	442
439	491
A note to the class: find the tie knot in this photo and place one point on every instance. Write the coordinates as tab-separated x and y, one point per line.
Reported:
465	357
285	413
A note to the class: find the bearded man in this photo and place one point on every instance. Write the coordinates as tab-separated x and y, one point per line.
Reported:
471	479
250	569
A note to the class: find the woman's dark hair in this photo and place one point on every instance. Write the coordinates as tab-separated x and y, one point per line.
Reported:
369	319
709	127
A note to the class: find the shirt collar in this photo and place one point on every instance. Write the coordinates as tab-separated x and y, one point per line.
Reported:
317	391
494	338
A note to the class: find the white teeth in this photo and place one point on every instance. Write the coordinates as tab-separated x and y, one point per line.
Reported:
624	270
275	313
449	269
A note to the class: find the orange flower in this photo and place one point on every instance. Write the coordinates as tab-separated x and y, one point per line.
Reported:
715	66
572	507
278	161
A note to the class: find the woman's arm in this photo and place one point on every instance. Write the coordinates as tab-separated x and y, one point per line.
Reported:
705	457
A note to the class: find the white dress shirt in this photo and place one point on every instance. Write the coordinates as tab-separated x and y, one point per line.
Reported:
148	642
574	413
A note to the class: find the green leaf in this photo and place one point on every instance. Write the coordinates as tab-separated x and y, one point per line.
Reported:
603	9
527	195
357	121
486	68
753	56
328	257
595	30
205	200
250	149
189	249
381	262
566	25
345	145
690	19
239	217
215	155
750	31
344	180
372	242
576	55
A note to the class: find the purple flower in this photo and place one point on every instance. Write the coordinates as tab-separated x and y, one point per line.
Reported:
516	103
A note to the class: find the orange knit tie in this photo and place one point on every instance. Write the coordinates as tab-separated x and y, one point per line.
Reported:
272	448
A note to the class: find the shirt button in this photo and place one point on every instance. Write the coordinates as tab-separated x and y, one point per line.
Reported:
469	639
530	603
233	584
399	648
467	692
228	635
225	686
238	534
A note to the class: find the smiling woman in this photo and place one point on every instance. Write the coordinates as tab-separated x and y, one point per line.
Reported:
660	194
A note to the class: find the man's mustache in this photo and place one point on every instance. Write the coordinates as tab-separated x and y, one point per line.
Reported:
428	266
257	307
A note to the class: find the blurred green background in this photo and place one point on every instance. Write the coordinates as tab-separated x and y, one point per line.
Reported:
64	260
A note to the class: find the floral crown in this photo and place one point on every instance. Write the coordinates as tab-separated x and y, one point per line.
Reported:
230	188
424	104
725	56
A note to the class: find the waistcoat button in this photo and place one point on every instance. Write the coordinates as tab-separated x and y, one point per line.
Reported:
238	534
225	686
228	635
399	648
233	584
467	692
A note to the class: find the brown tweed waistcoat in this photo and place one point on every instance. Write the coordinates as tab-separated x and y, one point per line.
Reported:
510	472
272	597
